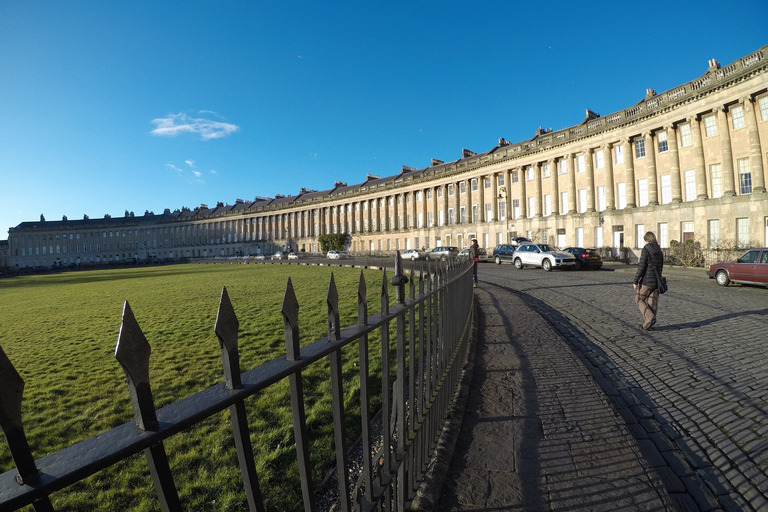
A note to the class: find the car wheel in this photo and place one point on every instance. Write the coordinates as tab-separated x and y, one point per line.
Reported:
722	278
546	265
578	265
518	263
443	258
498	260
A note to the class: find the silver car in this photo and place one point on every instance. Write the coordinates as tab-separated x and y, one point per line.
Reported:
544	256
413	254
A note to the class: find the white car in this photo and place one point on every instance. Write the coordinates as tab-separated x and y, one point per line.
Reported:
293	255
277	256
544	256
337	255
259	256
413	254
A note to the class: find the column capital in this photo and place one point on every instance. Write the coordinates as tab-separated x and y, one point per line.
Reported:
608	146
588	151
669	127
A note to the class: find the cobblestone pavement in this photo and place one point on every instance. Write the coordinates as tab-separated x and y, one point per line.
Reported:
693	391
537	433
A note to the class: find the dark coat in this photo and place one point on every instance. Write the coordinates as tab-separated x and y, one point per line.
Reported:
650	255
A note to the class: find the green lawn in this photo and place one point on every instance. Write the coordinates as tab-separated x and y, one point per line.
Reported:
60	330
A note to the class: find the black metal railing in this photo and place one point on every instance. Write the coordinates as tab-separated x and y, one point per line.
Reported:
431	327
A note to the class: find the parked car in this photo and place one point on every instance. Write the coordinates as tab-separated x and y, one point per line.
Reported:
542	255
482	255
337	255
750	268
586	258
443	253
519	240
504	252
277	256
259	257
413	254
293	255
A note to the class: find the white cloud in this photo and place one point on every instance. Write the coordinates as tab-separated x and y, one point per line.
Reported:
197	173
213	171
190	163
174	125
173	168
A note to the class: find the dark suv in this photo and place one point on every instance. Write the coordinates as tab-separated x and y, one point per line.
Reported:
503	252
443	253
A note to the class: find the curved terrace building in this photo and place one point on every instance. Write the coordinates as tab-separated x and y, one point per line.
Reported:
689	163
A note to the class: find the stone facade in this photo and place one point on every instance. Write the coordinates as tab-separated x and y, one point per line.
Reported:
689	163
3	254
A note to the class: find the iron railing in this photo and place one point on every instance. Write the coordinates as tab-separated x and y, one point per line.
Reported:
431	327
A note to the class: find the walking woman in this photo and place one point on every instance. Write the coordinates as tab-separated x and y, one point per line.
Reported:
645	283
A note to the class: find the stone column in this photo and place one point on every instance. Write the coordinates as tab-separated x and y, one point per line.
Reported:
495	196
457	202
434	208
729	185
481	204
571	183
371	214
523	193
589	168
650	155
674	166
445	205
553	173
629	172
610	201
537	186
424	210
755	150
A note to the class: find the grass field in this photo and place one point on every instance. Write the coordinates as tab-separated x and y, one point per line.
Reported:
60	330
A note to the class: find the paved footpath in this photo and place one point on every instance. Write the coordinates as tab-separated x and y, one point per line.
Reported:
538	433
563	372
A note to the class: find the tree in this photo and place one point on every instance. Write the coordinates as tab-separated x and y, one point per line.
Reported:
333	242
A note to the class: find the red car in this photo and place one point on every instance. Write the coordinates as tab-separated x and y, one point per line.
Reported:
751	268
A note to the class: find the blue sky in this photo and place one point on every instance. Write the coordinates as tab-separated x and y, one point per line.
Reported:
114	106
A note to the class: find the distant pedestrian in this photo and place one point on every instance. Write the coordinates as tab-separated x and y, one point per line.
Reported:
648	272
474	253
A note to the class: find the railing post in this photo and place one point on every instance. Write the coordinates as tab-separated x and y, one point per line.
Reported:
399	280
227	329
12	386
290	311
365	413
337	396
386	401
132	352
413	373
